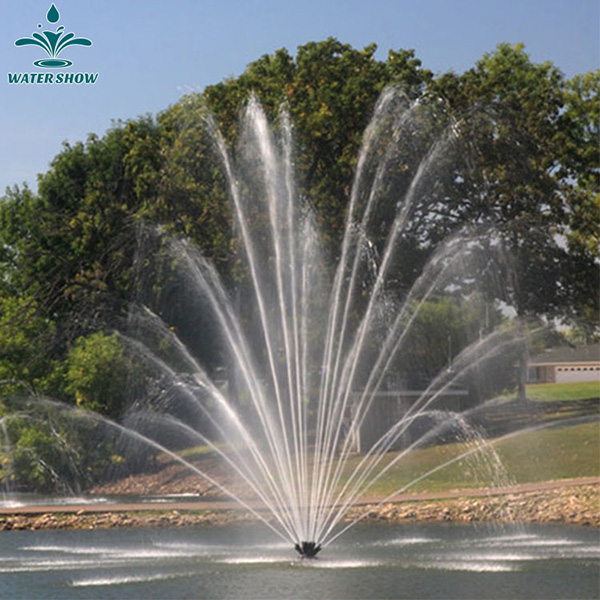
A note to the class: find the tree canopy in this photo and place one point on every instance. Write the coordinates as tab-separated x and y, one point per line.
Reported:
528	162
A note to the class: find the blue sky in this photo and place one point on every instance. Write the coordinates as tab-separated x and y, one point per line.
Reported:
148	53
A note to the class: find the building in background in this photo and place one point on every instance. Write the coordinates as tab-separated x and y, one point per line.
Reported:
565	365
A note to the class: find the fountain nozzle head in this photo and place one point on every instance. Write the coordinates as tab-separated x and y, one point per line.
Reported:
307	549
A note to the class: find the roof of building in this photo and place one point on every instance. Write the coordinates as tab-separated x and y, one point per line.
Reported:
568	354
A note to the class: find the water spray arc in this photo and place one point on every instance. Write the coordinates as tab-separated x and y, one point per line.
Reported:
324	339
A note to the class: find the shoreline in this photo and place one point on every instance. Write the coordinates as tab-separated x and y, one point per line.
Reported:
575	502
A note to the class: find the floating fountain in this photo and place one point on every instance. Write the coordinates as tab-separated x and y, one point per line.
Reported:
314	346
323	363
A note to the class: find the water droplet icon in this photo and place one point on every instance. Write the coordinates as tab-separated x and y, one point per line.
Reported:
53	15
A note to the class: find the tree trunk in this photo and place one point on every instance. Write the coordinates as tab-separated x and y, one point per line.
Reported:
523	364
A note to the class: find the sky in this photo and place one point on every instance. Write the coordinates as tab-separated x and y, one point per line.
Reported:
148	53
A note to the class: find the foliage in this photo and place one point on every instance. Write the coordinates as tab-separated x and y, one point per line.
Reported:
443	327
193	194
70	247
524	174
330	90
523	157
527	138
37	459
51	447
581	154
25	345
97	371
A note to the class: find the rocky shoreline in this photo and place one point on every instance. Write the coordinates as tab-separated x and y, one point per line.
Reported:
576	504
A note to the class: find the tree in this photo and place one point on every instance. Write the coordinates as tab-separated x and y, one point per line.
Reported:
330	90
522	156
26	347
97	371
443	327
49	446
580	172
71	246
524	171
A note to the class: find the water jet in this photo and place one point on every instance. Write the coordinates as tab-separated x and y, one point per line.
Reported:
320	356
329	371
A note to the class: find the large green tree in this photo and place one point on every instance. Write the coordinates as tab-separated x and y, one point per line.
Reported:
534	175
525	159
70	246
330	90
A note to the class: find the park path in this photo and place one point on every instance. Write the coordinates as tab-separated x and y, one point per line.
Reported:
200	505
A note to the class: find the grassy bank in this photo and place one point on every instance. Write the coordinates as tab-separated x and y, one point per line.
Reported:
556	452
541	455
552	392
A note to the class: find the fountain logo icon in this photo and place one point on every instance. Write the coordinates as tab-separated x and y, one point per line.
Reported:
53	42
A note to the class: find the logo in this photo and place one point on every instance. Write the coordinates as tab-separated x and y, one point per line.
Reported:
53	43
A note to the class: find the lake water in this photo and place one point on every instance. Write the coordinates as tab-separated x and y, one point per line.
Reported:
370	561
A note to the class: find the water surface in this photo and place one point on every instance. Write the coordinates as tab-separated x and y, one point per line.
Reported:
371	561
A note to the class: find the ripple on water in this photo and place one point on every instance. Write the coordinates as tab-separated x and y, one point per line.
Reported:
252	560
124	579
341	564
470	566
405	541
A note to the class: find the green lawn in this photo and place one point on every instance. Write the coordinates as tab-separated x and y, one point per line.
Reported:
553	453
548	392
558	452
